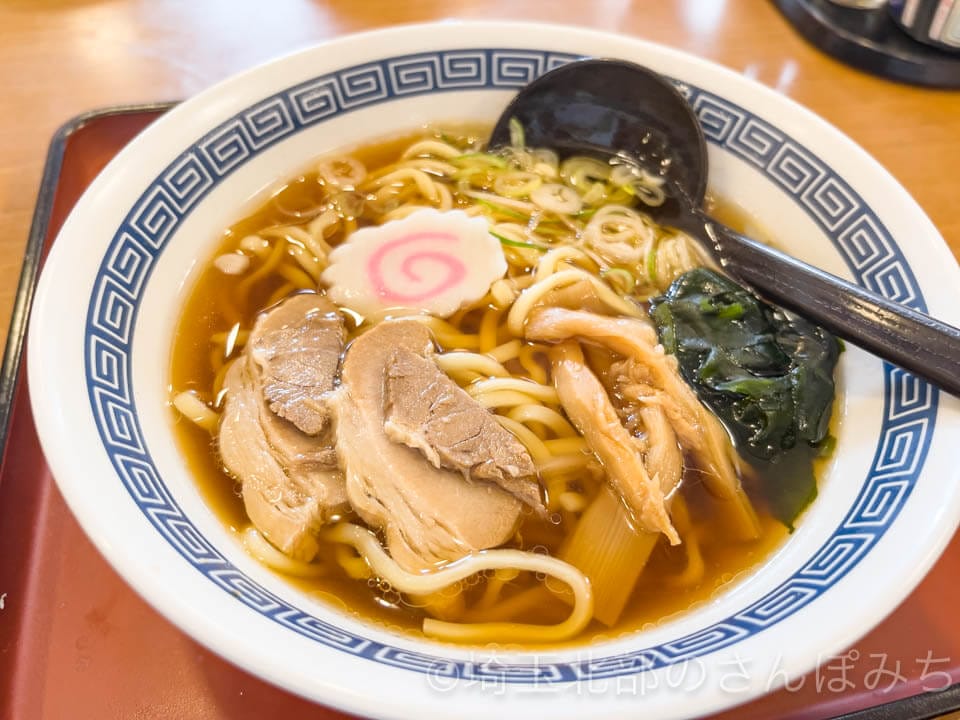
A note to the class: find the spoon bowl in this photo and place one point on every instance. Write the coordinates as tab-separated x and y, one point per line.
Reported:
598	107
617	109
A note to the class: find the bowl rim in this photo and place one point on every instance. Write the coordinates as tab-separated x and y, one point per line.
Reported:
898	384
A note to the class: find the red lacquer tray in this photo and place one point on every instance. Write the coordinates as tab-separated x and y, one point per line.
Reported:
77	643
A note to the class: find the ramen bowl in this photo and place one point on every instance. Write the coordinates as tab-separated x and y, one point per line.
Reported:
116	280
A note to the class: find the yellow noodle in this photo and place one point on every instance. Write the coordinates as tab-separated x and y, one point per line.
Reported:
312	243
403	211
530	297
555	485
262	550
281	292
501	398
444	197
516	183
522	282
513	231
254	245
460	362
406	582
459	317
506	352
391	197
565	463
567	446
295	275
449	337
546	416
527	358
429	166
493	587
468	377
434	148
353	565
226	305
499	200
693	573
503	293
341	173
291	233
523	602
488	330
425	184
537	391
216	359
273	259
375	318
318	230
196	410
550	262
694	570
535	446
538	429
521	258
218	379
311	268
235	337
473	210
444	605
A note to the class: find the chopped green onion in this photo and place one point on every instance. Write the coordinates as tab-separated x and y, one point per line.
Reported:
596	194
723	311
620	279
620	196
479	158
516	243
516	133
649	195
652	260
516	183
516	214
586	171
557	198
731	312
550	227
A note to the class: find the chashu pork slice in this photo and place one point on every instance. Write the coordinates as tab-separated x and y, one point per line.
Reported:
296	346
428	411
290	482
428	514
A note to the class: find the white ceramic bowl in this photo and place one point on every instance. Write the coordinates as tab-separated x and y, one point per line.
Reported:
112	287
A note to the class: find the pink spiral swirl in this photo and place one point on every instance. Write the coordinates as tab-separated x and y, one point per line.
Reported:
417	247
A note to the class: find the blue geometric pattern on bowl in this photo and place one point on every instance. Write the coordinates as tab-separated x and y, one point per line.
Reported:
873	257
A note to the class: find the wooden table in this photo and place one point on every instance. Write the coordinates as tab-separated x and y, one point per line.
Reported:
61	57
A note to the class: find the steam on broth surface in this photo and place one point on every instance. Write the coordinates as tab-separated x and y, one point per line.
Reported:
613	497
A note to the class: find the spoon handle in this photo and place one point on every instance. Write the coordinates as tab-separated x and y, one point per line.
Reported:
914	341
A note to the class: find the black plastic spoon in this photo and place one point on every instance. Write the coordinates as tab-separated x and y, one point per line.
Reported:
612	107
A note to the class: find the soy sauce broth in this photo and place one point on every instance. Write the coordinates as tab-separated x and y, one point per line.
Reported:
661	592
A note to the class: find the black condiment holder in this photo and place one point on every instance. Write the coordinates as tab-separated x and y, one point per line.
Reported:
871	40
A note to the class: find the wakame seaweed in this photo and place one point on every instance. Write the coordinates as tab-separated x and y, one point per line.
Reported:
767	374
